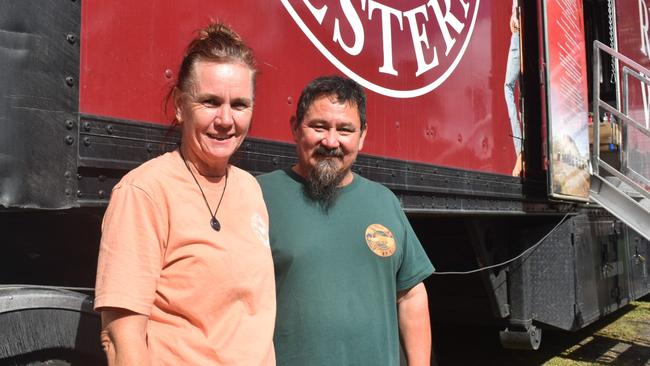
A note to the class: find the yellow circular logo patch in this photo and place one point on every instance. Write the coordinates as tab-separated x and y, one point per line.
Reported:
380	240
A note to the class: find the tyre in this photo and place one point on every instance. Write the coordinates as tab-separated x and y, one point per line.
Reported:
37	332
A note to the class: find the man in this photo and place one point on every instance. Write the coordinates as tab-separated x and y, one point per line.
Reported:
349	268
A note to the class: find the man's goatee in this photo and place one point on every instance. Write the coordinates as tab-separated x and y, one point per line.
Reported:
325	177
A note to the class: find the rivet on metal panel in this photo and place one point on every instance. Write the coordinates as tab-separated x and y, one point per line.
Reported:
274	161
149	148
79	176
109	129
69	124
87	126
289	100
69	80
67	191
71	38
67	174
460	138
101	193
79	193
169	73
69	140
86	141
396	124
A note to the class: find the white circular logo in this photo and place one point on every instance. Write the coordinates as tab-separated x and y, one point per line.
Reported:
399	50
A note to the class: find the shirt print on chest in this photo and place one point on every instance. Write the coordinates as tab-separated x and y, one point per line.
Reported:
380	240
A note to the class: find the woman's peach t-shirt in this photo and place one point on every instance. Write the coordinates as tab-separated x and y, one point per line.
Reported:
210	296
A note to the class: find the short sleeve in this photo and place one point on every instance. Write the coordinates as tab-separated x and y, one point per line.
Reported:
131	251
415	265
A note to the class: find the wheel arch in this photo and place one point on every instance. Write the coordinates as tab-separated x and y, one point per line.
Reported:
35	319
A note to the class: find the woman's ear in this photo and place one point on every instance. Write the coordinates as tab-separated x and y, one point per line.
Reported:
177	95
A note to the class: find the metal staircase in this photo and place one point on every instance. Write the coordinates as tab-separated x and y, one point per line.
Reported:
620	182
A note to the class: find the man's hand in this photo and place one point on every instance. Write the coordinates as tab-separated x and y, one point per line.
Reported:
414	325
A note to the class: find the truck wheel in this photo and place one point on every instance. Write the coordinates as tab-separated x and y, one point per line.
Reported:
526	339
49	328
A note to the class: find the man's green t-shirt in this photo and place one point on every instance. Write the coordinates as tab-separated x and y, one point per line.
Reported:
338	272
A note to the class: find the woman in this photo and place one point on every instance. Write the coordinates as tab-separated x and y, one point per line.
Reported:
185	275
513	70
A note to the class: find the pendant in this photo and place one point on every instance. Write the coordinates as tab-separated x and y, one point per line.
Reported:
215	224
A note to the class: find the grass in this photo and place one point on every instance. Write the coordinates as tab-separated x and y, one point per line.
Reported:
623	342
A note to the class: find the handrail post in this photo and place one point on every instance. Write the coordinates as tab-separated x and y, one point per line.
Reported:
595	156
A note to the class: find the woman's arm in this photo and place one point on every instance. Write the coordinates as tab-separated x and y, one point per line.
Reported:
514	18
124	337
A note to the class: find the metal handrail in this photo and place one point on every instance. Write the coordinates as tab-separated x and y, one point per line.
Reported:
639	72
639	127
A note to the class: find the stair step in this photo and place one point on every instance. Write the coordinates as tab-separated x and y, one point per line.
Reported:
645	203
613	194
625	188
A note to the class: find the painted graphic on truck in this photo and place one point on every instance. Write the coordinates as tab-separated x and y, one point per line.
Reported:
567	100
432	36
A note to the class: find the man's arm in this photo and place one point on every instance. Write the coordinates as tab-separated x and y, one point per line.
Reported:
414	325
124	337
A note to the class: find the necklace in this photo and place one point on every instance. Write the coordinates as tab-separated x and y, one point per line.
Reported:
213	221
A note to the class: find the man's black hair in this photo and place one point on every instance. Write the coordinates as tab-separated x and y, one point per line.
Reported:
345	89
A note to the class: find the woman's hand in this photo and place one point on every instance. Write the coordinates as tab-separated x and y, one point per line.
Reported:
124	337
514	23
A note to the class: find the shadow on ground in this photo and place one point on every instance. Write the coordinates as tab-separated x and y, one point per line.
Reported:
620	339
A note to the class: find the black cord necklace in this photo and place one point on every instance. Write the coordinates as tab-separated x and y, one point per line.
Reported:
213	221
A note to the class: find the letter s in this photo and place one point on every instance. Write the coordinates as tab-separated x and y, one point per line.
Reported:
357	28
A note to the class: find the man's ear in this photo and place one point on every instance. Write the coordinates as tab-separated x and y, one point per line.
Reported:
293	123
177	96
364	132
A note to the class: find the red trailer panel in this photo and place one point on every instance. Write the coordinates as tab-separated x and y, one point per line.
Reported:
434	70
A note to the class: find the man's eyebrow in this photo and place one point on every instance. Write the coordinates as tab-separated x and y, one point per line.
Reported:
315	120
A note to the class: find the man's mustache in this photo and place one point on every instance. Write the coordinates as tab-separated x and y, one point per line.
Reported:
330	153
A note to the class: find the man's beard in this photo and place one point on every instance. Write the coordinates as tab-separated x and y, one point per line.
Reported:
324	178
